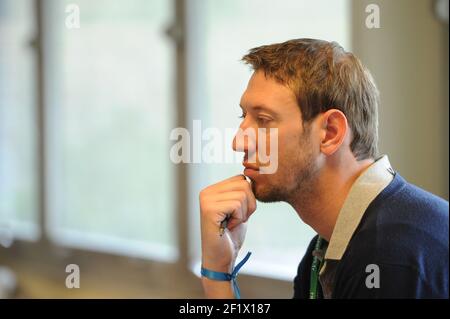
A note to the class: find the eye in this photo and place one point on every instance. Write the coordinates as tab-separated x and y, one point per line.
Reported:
243	115
263	120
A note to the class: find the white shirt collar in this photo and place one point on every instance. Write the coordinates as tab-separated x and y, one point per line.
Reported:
364	190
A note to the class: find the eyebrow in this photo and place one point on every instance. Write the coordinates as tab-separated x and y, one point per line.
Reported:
261	107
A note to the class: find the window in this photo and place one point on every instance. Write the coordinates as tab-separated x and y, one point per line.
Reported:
109	98
18	190
221	33
110	110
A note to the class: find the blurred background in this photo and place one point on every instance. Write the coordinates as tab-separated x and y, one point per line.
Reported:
86	110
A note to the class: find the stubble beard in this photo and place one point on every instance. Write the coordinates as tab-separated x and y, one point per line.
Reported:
292	182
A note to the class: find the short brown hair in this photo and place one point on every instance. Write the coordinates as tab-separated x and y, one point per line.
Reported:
324	76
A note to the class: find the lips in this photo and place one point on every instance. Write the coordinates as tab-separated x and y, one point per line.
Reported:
250	166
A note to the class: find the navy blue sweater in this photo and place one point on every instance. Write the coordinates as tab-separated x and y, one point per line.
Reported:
404	231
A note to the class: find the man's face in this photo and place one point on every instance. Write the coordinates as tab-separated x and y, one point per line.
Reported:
268	104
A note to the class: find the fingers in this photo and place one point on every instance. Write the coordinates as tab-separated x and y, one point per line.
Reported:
239	177
236	196
244	196
242	186
234	207
231	196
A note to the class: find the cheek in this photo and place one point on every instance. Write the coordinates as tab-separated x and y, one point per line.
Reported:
288	146
282	145
267	146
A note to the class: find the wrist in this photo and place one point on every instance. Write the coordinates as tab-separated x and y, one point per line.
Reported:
217	289
228	276
217	266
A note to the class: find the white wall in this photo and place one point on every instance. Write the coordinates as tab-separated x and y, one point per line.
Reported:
408	56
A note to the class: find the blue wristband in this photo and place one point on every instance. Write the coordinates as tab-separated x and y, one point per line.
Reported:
223	276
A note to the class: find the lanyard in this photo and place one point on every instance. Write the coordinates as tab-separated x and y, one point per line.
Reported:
315	269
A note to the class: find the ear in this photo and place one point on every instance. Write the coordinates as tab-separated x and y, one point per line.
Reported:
334	128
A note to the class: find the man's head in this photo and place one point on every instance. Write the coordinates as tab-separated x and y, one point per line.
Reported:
323	102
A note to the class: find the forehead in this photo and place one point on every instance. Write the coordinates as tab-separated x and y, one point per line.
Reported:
262	90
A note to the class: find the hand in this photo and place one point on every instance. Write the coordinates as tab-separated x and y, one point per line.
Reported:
231	196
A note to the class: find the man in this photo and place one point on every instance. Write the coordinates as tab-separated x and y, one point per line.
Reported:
378	235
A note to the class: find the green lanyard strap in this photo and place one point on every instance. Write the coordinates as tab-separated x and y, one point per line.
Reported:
315	268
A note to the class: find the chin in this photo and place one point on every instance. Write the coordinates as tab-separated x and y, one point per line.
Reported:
266	194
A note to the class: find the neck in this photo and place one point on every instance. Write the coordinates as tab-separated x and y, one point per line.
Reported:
321	206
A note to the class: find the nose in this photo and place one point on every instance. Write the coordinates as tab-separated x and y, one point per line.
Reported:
245	140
